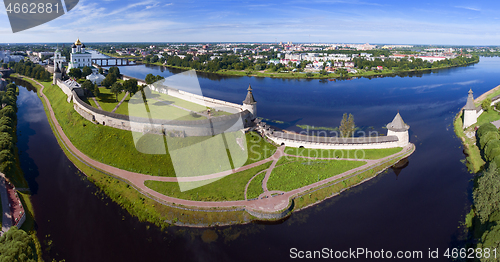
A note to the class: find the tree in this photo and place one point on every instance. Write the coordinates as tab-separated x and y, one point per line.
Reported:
116	89
114	70
86	71
17	245
88	87
347	126
487	193
158	78
486	104
130	86
150	78
109	80
75	72
101	71
97	92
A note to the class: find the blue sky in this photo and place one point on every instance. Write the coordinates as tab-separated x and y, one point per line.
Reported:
337	21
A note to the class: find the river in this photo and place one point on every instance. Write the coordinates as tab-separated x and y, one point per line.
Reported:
420	208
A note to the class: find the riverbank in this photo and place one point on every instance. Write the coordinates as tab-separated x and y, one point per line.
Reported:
474	161
315	75
21	203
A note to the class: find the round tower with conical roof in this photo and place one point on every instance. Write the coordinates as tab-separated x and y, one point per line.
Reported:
399	129
470	113
249	103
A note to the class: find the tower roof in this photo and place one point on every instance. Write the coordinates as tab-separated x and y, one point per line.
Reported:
470	102
78	42
249	99
398	124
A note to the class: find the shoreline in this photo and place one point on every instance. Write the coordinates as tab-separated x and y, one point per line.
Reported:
302	75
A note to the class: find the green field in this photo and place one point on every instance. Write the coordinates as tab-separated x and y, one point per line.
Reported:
304	172
487	117
120	150
161	106
228	188
107	100
255	187
343	153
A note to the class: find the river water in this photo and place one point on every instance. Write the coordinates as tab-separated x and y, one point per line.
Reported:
420	208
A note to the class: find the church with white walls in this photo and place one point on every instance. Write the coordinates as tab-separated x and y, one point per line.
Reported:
79	57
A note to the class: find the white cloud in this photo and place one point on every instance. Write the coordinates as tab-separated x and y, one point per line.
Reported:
469	8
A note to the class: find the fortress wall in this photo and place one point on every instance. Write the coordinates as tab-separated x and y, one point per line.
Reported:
384	143
201	100
139	81
204	127
312	145
65	89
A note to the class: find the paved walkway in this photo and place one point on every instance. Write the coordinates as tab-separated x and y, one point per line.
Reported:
97	103
120	103
137	180
6	216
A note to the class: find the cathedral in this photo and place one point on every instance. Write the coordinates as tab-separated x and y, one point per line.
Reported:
79	58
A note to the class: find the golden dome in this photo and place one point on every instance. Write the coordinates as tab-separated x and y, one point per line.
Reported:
78	42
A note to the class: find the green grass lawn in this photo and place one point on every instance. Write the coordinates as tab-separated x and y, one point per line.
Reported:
487	117
228	188
305	171
115	147
343	153
255	188
107	100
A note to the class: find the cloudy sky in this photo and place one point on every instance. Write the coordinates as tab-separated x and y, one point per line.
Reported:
450	22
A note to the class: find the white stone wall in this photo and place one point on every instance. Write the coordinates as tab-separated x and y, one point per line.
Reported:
295	143
201	100
65	89
194	128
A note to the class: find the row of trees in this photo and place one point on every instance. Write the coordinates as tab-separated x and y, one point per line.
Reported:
31	70
413	63
8	120
486	195
80	73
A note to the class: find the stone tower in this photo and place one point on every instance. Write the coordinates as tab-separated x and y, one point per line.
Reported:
398	128
250	104
57	60
470	114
